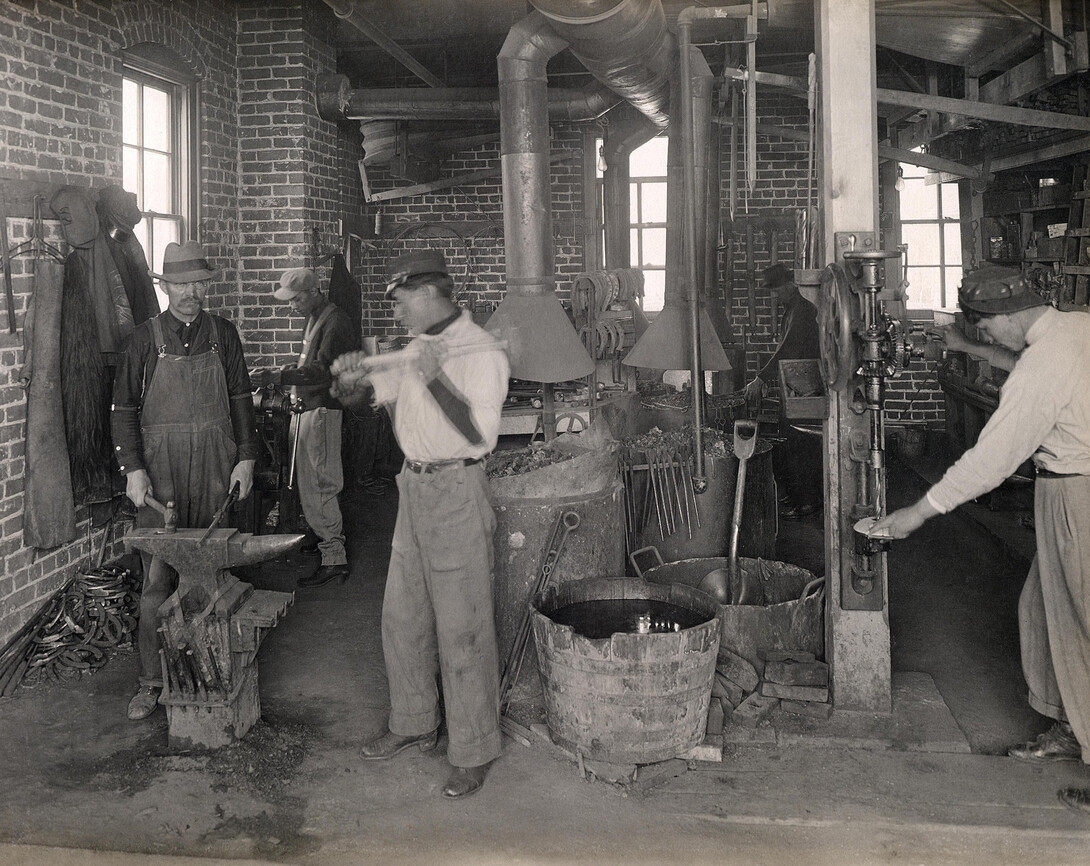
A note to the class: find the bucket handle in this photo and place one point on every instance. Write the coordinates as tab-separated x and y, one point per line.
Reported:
650	548
816	582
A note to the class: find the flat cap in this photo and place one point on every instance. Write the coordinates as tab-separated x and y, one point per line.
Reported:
297	281
413	265
993	289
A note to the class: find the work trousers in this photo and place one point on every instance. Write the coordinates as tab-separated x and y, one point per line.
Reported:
437	613
318	468
1054	610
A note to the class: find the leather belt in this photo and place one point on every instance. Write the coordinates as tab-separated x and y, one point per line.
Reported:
426	468
1048	473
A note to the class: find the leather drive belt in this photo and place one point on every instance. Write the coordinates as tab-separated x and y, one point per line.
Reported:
425	468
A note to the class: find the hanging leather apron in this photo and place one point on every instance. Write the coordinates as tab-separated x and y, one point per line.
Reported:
49	513
189	446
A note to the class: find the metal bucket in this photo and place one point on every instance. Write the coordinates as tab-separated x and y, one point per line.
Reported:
630	698
716	504
523	528
791	610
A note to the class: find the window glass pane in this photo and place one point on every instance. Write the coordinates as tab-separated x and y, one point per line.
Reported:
924	288
140	232
919	202
634	247
923	243
157	183
130	173
130	112
654	203
951	236
953	280
634	203
156	119
649	160
909	170
163	232
951	201
654	247
654	290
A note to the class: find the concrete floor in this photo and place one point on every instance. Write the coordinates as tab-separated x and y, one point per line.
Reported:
83	785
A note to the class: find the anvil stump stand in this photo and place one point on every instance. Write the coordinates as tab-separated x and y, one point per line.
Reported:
210	630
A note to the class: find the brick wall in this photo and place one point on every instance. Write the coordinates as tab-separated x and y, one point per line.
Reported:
60	123
466	223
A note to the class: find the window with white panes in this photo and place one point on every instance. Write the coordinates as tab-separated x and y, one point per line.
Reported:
156	166
931	226
647	217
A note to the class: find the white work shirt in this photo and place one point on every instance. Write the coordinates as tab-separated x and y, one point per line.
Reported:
423	430
1044	413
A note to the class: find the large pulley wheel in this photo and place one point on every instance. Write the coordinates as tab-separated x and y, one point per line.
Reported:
834	315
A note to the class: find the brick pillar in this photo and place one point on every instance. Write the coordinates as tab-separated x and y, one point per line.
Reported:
289	178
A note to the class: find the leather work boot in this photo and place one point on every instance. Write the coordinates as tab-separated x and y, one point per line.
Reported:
143	703
1058	743
464	781
324	575
1076	799
390	744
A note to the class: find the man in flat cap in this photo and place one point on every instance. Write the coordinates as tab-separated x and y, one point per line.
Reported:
183	429
327	333
1043	413
798	458
446	397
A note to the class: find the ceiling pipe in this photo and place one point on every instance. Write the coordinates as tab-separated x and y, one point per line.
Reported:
337	100
622	43
541	340
347	10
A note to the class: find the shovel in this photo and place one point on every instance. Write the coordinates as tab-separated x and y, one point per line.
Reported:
743	589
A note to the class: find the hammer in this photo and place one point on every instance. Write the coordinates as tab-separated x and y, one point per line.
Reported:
169	513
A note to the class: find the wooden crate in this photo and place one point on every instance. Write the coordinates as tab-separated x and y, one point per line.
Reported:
803	389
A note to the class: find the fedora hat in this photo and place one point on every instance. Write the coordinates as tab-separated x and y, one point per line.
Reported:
186	263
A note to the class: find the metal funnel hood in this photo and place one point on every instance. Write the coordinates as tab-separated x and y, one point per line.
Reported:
667	343
541	342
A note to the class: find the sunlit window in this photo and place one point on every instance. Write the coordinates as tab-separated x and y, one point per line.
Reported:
647	218
931	226
155	157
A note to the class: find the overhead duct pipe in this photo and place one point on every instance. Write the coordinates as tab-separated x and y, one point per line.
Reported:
622	43
337	100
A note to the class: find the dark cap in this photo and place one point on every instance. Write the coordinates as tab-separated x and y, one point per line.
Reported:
297	281
993	289
412	265
778	275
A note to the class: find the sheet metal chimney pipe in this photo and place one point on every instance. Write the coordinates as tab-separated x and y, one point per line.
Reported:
541	339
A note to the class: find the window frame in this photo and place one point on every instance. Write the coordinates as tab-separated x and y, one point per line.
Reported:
908	172
151	65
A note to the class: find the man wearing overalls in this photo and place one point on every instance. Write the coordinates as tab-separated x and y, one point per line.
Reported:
316	431
183	429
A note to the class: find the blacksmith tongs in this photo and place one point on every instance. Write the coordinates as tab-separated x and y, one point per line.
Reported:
232	497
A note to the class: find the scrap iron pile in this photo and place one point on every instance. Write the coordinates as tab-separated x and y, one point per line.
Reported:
522	460
75	630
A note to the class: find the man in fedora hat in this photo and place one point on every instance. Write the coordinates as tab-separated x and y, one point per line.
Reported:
1043	413
798	459
437	609
183	428
327	333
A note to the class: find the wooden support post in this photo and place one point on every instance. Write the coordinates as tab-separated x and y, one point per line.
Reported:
857	645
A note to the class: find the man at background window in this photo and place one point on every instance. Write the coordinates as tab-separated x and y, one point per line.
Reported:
327	333
183	429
